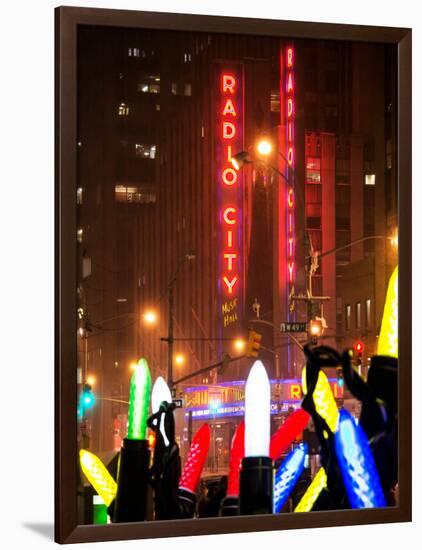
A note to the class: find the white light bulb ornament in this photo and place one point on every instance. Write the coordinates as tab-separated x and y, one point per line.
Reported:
160	392
256	475
257	411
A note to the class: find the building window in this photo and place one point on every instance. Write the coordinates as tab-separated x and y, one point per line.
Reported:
133	52
369	179
149	84
275	101
313	170
79	192
358	315
123	109
188	89
368	312
145	151
79	235
174	88
348	316
133	194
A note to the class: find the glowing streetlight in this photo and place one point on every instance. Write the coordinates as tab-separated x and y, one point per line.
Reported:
239	344
91	380
150	317
179	359
264	147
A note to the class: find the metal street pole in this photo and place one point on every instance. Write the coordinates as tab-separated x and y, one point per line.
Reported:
170	339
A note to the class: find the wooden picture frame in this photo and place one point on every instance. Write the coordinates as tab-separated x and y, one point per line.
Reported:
67	21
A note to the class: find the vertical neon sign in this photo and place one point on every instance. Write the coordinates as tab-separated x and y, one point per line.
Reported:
290	156
229	141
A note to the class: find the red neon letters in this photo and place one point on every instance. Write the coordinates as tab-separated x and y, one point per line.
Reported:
229	181
290	112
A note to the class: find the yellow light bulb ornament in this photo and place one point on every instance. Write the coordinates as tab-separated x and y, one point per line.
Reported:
98	475
324	401
312	492
388	338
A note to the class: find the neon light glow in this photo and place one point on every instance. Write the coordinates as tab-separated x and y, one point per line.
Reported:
237	452
287	92
287	432
308	500
324	401
287	475
228	142
98	475
139	396
160	393
388	338
196	459
257	411
357	464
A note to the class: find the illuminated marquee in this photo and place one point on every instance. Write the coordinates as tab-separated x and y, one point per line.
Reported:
229	141
228	398
290	156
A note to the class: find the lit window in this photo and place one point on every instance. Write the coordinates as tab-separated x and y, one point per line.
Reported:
79	195
358	315
79	235
188	89
157	107
369	179
368	312
174	88
145	151
149	84
133	194
123	109
348	316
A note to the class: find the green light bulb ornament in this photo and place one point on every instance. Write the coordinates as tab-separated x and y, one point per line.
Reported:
139	398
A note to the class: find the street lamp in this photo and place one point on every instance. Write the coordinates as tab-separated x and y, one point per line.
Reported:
189	256
150	317
91	380
264	147
179	359
239	344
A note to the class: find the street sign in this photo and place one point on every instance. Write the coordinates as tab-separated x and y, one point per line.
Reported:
293	327
178	403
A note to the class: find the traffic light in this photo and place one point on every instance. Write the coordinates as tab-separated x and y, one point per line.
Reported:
254	343
340	377
86	400
315	329
359	351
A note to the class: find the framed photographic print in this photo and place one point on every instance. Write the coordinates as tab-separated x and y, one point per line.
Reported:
233	275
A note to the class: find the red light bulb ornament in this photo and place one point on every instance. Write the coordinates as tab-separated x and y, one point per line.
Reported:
287	433
237	452
192	470
256	475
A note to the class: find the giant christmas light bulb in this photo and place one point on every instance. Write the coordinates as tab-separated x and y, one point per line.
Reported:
287	475
287	433
257	411
98	475
312	492
357	464
256	474
160	393
196	460
323	398
237	452
140	389
388	338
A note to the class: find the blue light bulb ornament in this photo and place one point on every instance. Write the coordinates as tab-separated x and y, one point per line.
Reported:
287	475
357	464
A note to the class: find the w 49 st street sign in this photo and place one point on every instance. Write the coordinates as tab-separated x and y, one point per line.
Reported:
293	327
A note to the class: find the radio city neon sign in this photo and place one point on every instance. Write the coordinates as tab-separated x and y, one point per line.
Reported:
290	156
231	140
